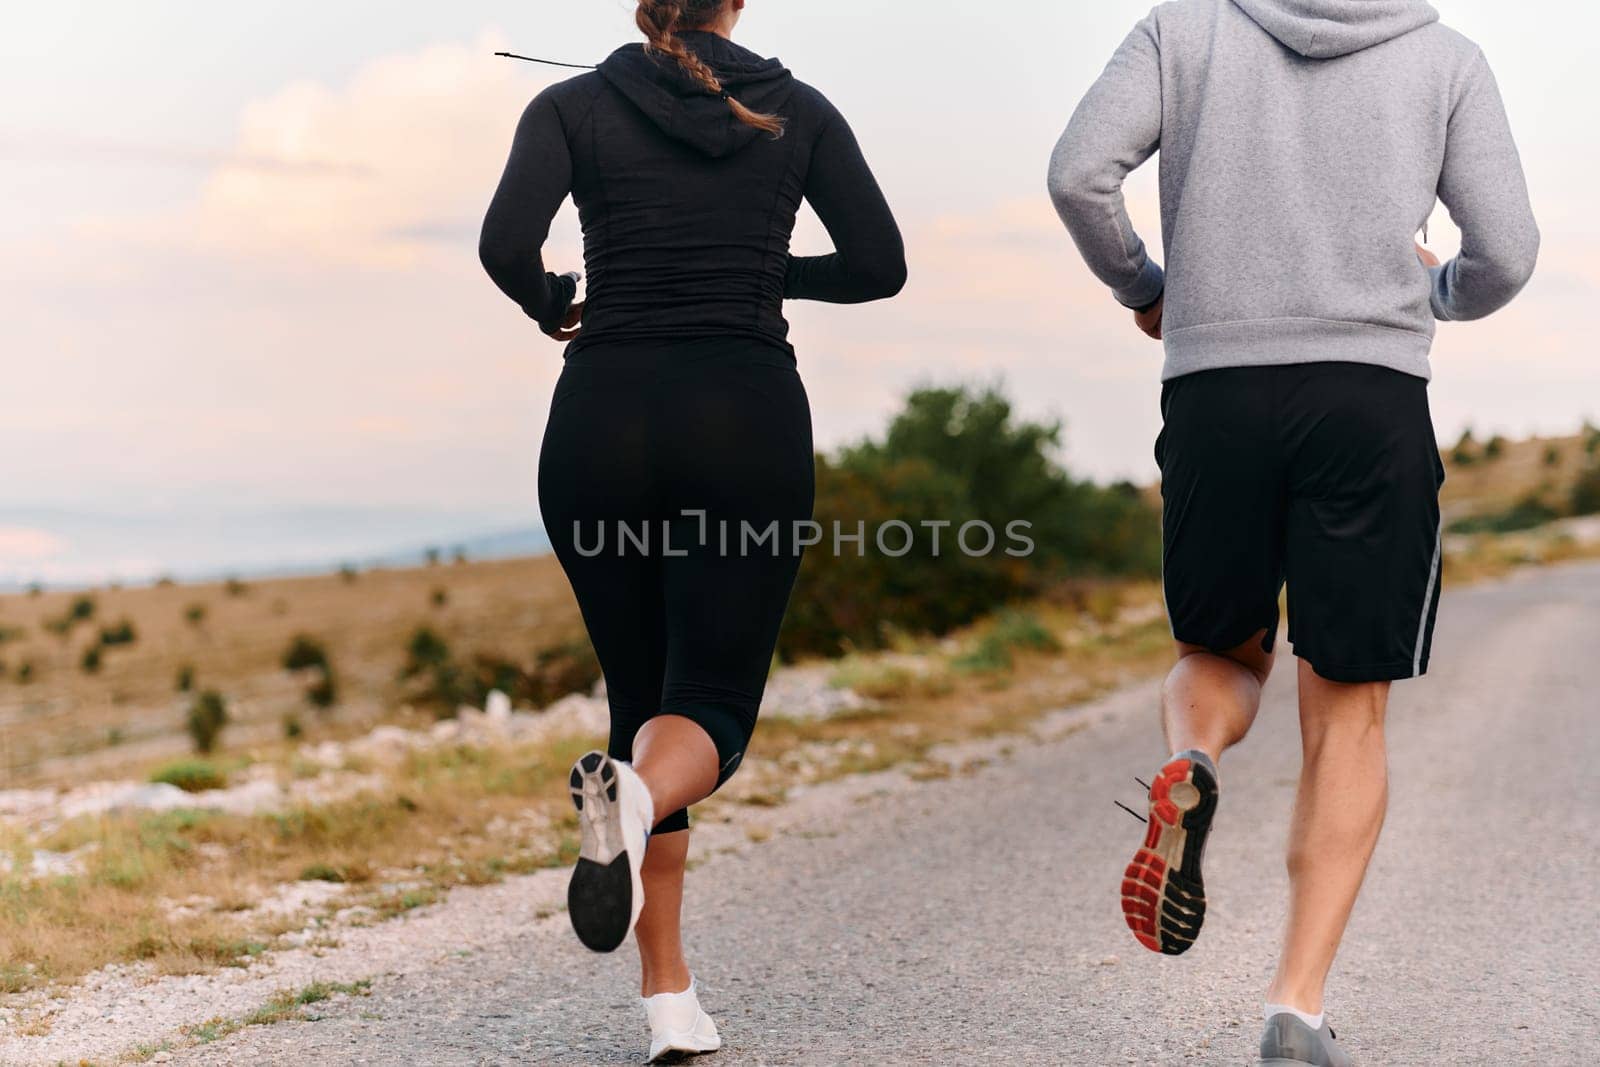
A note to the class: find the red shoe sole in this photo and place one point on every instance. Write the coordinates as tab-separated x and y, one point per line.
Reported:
1163	894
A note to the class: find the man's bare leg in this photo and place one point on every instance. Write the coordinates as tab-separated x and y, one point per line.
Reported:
1209	701
1338	813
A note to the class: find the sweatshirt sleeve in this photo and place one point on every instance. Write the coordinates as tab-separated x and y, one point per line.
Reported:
537	179
869	261
1482	184
1116	128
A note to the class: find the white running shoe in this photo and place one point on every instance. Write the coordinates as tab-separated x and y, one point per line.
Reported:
615	816
679	1026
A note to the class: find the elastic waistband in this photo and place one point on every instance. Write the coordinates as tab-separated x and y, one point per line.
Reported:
1269	342
681	352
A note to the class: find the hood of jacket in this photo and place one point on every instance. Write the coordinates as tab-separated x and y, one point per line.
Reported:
681	106
1326	29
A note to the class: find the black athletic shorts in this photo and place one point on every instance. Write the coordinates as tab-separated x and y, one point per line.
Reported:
1322	475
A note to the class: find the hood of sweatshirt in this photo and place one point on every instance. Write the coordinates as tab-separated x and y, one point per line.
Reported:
1326	29
682	107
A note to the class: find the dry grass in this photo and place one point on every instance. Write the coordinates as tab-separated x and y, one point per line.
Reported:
448	817
466	816
1523	469
62	724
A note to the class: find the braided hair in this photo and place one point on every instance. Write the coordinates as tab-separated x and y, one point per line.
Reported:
660	21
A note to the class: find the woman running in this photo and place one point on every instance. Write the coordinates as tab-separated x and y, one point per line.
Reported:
677	461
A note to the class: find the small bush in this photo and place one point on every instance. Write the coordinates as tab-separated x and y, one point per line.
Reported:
26	672
324	692
440	598
1022	629
1465	453
305	653
1495	448
1525	514
349	573
235	588
1552	456
185	680
195	615
122	633
207	716
82	609
433	555
292	727
989	655
1586	493
192	776
425	651
91	660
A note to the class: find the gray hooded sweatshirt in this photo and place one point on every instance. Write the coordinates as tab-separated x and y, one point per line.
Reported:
1303	144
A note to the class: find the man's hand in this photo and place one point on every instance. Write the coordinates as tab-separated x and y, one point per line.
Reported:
571	326
1150	321
1427	257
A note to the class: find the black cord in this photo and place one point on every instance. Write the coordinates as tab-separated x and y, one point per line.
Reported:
547	62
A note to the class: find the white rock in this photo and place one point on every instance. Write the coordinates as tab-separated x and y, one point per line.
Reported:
498	706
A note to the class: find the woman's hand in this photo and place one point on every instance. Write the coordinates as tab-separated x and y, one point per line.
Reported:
1150	321
572	322
1427	257
571	325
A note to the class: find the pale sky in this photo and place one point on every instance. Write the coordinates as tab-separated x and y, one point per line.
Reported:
240	279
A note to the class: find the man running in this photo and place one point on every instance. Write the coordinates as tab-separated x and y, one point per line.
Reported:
1303	144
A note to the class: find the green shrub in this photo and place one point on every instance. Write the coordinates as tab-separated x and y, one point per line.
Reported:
1526	514
305	653
207	716
192	776
1495	448
1552	456
440	598
324	692
234	587
956	456
185	680
1586	492
433	555
1465	453
91	660
195	615
349	573
292	727
26	672
122	633
82	609
425	651
1022	629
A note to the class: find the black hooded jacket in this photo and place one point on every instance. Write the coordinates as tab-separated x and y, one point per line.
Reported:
687	212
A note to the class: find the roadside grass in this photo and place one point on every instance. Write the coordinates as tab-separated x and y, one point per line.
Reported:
285	1006
460	815
448	817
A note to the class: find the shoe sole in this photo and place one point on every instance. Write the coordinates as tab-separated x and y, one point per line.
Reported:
685	1048
600	895
1163	894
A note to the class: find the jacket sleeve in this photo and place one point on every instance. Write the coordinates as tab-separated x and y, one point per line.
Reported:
869	261
1116	128
1482	185
537	178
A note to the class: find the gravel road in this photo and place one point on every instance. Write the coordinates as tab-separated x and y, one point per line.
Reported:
975	919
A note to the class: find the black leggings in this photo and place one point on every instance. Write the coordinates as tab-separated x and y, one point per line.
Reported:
672	482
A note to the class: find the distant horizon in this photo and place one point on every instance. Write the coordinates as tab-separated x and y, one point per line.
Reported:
170	549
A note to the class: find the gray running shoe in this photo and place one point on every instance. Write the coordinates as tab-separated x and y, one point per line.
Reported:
1288	1042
